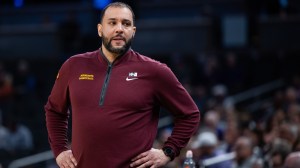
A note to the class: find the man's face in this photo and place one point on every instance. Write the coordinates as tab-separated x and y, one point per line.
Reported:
242	149
116	29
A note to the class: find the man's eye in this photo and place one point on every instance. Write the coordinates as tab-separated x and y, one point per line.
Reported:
112	23
127	24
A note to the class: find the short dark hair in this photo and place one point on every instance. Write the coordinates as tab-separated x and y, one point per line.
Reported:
117	5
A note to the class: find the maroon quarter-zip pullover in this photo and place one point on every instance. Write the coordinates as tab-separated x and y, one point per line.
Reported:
115	108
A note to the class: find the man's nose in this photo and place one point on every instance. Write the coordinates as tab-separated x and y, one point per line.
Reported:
119	28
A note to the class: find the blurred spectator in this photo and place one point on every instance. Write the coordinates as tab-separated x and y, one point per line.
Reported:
259	163
244	153
288	132
19	139
290	97
280	150
213	123
205	147
293	114
278	118
6	88
3	137
25	85
296	85
6	93
230	136
4	156
25	81
211	120
219	93
15	142
293	160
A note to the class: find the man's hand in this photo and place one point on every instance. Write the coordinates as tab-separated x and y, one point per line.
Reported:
66	160
153	158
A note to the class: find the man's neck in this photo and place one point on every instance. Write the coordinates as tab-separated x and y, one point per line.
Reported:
109	56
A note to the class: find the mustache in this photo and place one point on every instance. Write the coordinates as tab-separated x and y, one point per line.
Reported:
118	37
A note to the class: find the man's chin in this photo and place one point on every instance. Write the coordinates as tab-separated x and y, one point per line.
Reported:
118	50
118	47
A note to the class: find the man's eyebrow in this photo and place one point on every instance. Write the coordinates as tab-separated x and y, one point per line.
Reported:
113	19
127	20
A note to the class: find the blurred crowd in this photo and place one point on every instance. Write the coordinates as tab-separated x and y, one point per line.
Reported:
17	109
260	139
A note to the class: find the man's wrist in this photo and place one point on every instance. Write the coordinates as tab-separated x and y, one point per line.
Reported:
169	152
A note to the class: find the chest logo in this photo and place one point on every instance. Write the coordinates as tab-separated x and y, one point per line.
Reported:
86	77
132	76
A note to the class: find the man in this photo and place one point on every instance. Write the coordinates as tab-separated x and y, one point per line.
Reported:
279	152
205	146
293	160
115	95
244	153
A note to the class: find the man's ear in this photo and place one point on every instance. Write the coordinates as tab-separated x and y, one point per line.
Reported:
134	30
99	27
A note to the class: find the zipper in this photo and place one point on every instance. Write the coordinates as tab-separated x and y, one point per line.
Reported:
105	84
107	76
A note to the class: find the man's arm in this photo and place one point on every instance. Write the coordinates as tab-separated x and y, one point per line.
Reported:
171	94
57	118
175	98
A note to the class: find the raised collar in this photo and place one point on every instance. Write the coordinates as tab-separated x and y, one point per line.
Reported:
117	61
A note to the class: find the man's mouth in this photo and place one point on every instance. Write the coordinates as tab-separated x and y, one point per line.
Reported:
119	38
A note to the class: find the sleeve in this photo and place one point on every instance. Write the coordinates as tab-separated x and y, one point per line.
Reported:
172	95
57	113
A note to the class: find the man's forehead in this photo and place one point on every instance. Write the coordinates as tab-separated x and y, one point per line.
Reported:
118	13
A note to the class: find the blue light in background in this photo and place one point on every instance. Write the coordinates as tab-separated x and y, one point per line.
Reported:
18	3
100	4
284	3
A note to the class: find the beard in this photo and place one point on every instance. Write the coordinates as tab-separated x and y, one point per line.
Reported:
107	44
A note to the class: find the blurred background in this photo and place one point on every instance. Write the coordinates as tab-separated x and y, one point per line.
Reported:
239	59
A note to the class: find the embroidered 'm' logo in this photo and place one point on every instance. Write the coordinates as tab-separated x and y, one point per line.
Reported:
132	74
